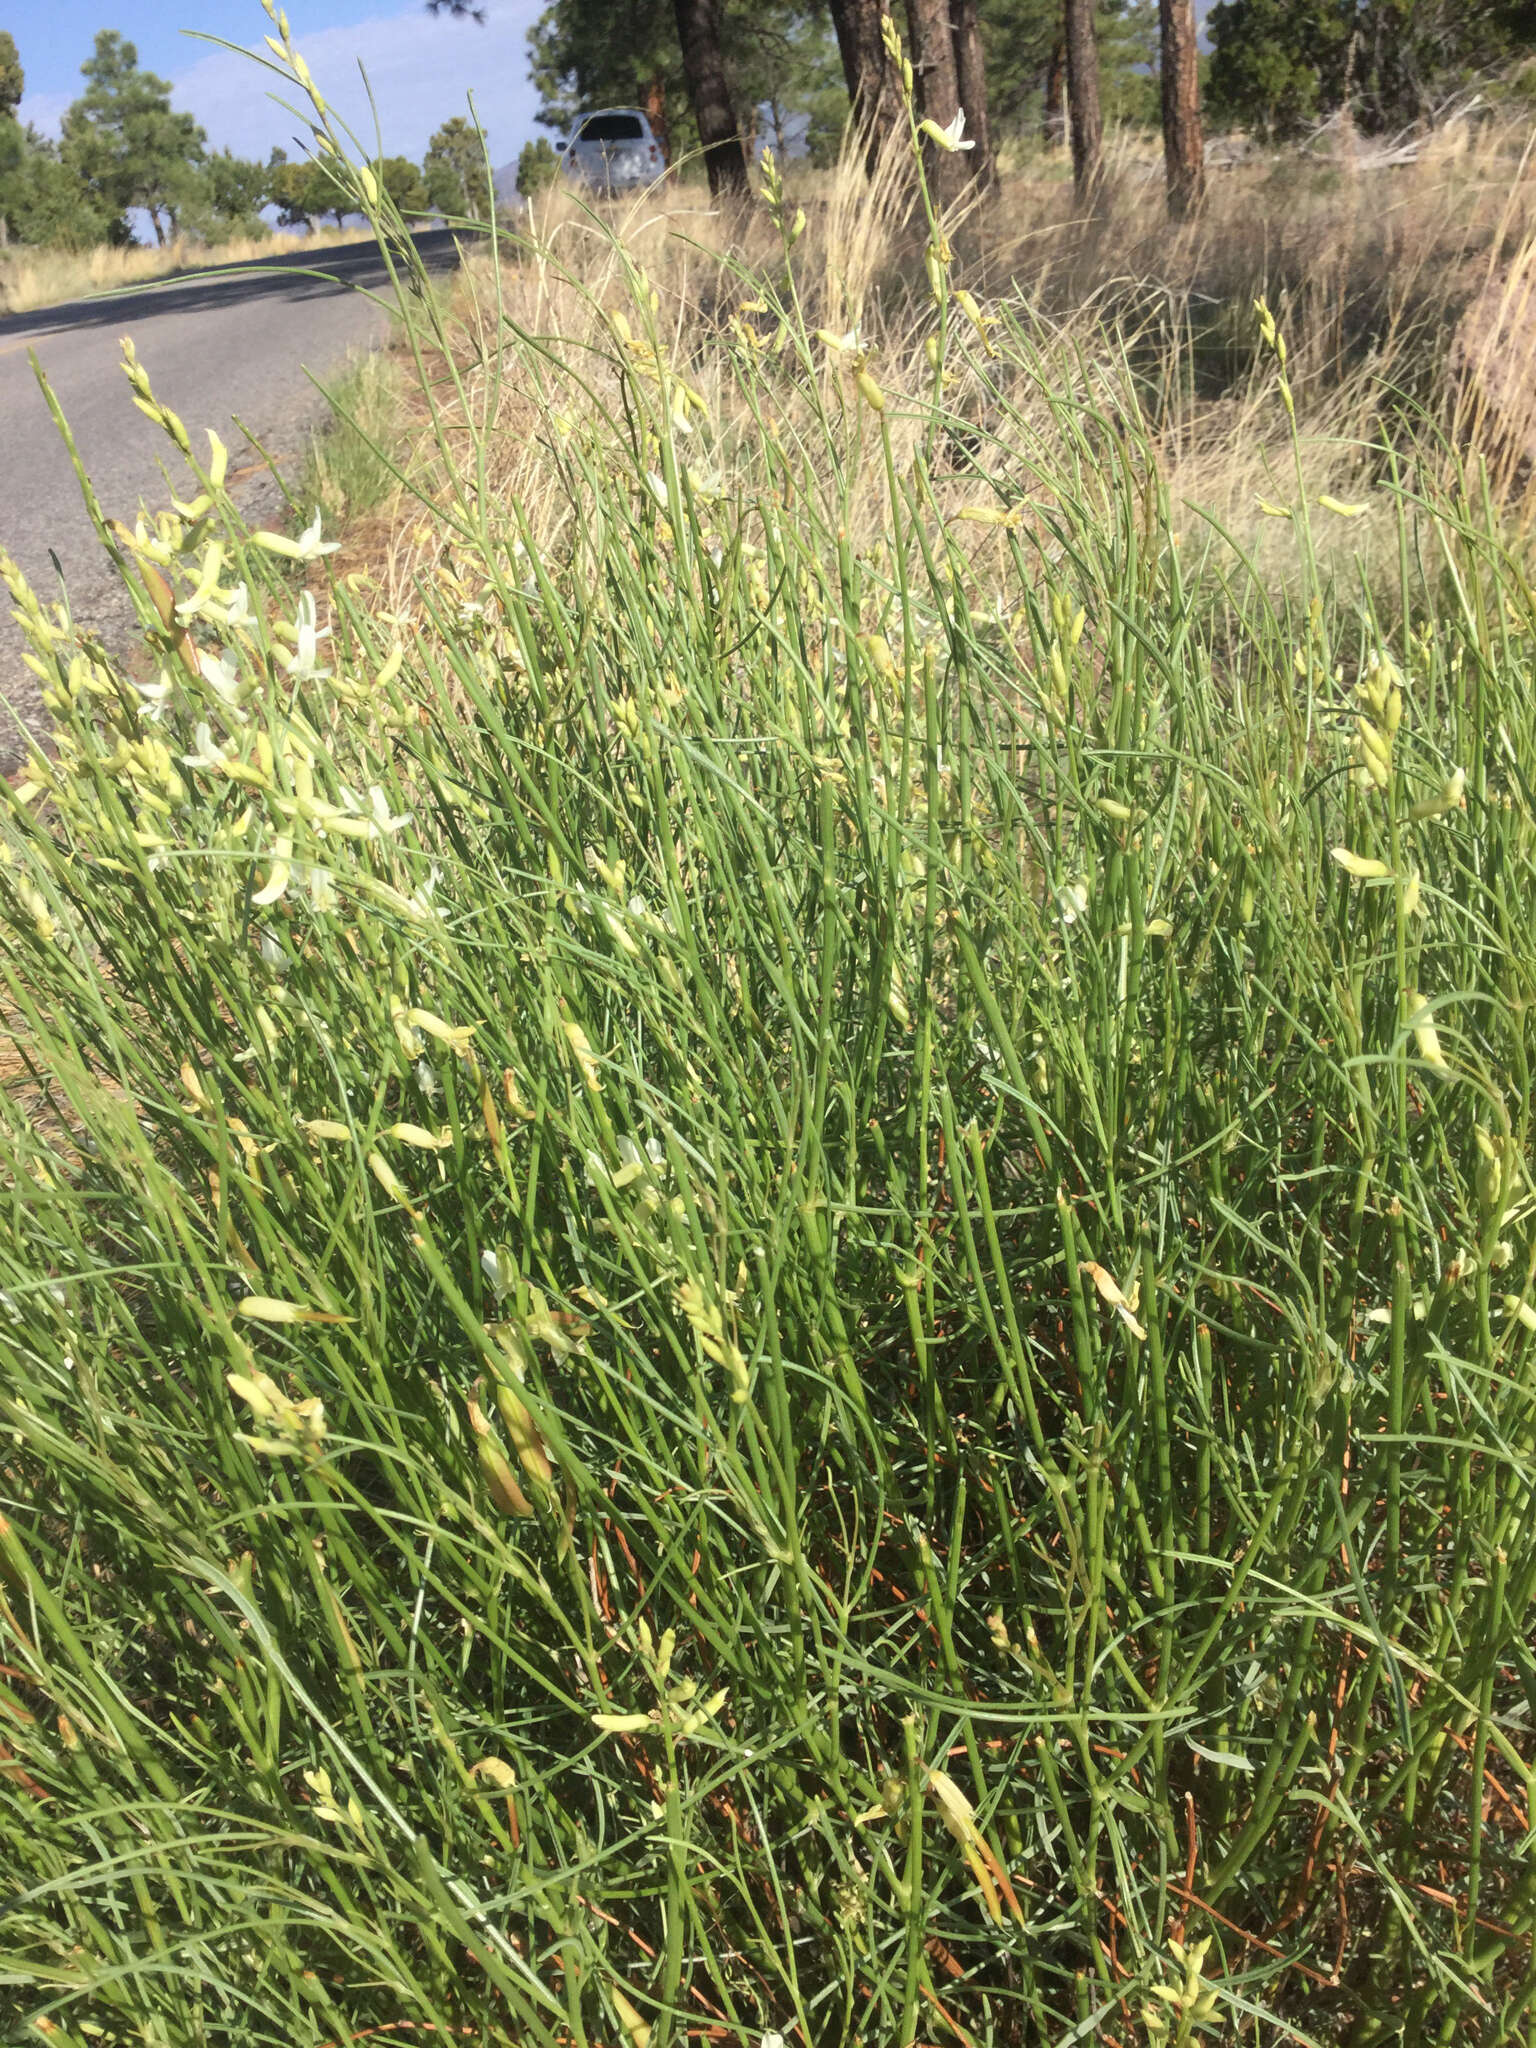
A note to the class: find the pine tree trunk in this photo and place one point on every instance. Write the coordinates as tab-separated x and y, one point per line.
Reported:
873	99
1183	143
971	82
846	26
698	31
933	59
1053	121
656	114
1083	99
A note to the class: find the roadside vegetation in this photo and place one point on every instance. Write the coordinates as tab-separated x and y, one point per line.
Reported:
771	1254
32	278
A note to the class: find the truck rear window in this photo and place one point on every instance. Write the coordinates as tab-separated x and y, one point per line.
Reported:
611	128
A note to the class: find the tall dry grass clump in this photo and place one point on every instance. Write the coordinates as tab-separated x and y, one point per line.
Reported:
771	1256
1402	292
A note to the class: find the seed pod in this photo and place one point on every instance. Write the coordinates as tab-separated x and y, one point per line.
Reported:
522	1429
501	1481
635	2027
1418	1016
1360	865
262	1308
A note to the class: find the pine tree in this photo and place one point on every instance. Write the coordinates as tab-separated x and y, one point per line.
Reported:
127	143
13	82
1018	38
230	197
455	169
403	183
1279	64
43	203
12	143
1026	61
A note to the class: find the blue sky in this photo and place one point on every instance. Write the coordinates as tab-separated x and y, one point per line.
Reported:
421	67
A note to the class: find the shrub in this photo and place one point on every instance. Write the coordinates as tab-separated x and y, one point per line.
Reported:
767	1281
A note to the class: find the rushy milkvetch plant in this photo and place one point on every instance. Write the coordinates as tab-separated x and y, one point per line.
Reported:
763	1288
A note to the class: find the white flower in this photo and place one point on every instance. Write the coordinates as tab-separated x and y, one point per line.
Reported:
498	1269
208	755
381	815
1072	901
419	903
223	677
237	608
309	547
303	664
154	697
951	138
641	913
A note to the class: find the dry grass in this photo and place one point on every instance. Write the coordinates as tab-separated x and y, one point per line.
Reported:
33	278
1371	273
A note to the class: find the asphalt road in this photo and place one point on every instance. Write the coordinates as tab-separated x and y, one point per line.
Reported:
218	349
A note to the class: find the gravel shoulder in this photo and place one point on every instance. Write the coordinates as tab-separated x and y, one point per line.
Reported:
237	353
